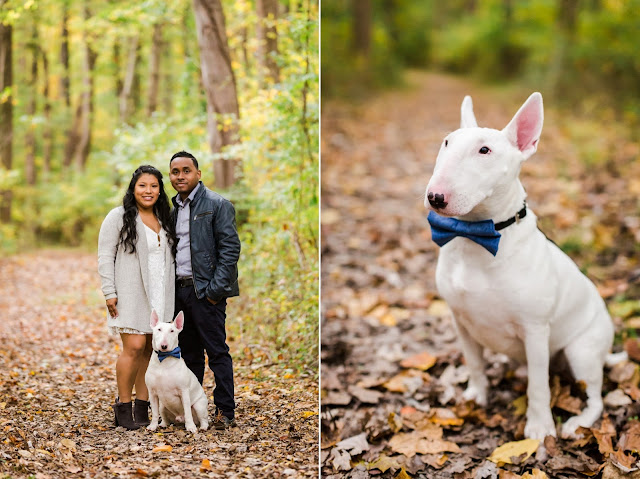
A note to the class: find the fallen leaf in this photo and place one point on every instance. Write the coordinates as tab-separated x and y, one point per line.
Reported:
143	473
403	474
205	466
367	396
409	380
518	450
307	414
355	444
617	398
439	309
520	405
68	444
414	443
422	361
535	474
384	463
162	448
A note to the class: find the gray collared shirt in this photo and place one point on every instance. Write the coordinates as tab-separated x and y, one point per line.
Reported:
183	255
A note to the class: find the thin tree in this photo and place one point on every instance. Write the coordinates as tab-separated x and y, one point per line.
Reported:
267	11
64	55
220	86
154	68
47	135
89	58
129	79
30	137
6	112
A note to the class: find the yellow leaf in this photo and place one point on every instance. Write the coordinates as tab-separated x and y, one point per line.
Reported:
535	474
205	466
422	361
306	414
439	308
383	463
403	474
162	448
520	405
506	453
68	444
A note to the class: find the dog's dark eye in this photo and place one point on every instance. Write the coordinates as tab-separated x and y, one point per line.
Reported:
484	150
171	331
446	142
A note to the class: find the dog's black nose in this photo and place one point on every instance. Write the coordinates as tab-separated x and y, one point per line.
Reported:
437	200
163	347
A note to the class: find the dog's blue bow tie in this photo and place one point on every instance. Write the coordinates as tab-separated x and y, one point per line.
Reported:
484	232
165	354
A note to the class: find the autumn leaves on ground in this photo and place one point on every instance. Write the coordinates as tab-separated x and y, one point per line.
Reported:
392	372
57	384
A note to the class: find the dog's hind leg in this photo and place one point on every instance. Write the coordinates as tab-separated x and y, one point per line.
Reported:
586	358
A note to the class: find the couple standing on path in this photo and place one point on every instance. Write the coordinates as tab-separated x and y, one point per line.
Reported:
150	257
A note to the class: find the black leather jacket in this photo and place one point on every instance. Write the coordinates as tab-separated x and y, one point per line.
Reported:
215	246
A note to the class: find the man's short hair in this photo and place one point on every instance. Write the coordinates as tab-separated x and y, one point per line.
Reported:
184	154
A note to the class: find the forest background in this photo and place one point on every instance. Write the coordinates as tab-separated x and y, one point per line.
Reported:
580	55
90	90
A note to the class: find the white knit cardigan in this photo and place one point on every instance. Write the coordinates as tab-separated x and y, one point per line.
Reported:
126	275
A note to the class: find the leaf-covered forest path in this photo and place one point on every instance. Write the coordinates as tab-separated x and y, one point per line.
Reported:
391	367
57	384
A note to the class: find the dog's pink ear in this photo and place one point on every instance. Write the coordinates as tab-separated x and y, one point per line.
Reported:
179	321
154	319
525	127
467	118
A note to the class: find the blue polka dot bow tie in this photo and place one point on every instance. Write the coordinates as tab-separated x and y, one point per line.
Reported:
484	232
162	355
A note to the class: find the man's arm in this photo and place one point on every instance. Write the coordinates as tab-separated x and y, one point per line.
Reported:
227	241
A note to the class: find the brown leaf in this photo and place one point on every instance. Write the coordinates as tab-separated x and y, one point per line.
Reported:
415	442
422	361
162	448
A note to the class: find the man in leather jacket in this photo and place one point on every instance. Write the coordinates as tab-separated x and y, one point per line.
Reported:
207	274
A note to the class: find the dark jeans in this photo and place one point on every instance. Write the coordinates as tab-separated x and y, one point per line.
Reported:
204	330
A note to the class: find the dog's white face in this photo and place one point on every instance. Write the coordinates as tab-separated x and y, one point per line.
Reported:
165	335
473	163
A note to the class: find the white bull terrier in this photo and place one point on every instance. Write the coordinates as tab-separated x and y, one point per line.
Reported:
513	291
174	391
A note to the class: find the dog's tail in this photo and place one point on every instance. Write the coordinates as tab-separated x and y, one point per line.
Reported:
615	358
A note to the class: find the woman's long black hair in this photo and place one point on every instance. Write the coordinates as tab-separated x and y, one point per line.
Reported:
161	208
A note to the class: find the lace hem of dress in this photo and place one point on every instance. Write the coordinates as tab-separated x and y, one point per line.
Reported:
116	331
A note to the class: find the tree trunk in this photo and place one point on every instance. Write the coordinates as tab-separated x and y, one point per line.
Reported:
6	113
47	135
220	86
88	62
129	77
361	26
64	56
154	68
30	136
73	137
267	11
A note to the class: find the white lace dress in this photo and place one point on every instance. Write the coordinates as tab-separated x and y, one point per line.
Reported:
155	245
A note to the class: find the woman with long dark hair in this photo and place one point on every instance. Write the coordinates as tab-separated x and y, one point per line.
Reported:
136	250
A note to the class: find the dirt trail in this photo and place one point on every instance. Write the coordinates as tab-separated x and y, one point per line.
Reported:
57	383
380	305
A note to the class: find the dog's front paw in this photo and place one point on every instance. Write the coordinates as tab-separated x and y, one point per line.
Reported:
570	427
152	426
477	394
539	429
191	427
204	425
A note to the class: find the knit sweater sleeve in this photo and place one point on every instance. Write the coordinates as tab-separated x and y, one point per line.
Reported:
107	249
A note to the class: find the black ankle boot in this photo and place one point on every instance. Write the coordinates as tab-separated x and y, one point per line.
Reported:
124	415
141	412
